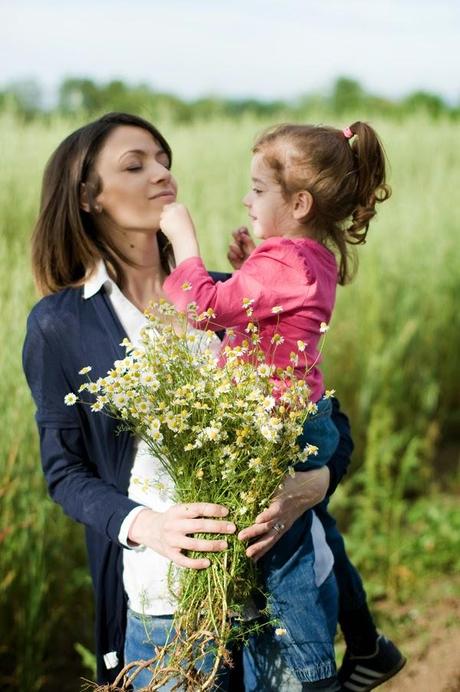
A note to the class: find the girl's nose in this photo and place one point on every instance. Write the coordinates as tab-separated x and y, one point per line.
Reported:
246	200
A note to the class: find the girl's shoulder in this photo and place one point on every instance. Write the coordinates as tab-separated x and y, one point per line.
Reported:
305	254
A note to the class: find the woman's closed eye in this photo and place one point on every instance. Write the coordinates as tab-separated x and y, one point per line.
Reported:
257	190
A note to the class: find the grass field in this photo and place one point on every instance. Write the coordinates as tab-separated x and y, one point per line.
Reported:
391	355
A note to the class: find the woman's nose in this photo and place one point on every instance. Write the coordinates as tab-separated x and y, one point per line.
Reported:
160	173
246	200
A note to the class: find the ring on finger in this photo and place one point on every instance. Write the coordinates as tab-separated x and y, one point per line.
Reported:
278	527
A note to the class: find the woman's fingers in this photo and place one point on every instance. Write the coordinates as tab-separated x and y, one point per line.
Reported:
255	531
257	549
201	545
200	509
183	561
187	526
271	513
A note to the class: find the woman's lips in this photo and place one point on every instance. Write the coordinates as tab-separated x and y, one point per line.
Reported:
165	193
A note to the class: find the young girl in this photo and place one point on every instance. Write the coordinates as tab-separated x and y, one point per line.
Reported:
314	191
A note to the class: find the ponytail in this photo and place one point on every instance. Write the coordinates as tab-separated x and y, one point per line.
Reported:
369	158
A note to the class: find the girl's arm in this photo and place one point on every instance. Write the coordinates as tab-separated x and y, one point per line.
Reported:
271	277
176	223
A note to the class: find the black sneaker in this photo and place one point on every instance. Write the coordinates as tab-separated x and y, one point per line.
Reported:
363	673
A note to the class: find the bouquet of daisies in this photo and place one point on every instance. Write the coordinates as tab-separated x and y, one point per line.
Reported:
225	431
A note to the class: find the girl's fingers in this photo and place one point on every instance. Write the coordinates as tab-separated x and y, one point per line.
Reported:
238	232
234	250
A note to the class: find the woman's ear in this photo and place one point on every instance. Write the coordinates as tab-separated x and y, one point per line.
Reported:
302	204
84	201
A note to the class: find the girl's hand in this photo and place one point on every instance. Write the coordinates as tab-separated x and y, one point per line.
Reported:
176	223
305	490
169	533
240	248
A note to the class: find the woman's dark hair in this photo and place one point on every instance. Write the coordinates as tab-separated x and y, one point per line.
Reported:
344	174
66	245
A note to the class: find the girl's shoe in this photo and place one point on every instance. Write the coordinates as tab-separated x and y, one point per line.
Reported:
363	673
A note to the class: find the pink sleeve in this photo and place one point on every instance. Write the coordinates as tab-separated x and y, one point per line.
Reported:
269	278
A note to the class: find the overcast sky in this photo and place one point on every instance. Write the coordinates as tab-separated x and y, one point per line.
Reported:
245	48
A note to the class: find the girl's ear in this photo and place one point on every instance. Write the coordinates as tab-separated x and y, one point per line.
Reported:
302	204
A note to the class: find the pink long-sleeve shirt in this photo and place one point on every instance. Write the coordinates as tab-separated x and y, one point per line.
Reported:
298	274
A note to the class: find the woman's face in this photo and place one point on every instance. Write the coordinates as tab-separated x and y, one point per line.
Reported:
136	180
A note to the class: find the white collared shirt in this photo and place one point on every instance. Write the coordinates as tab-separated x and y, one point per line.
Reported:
145	572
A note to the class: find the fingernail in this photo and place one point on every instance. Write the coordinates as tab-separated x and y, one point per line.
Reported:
230	528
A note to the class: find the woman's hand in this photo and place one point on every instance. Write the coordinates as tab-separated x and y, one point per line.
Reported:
169	533
297	494
176	223
240	248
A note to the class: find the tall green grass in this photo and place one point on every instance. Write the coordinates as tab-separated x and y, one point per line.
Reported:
392	356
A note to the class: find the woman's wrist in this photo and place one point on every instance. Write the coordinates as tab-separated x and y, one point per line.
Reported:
140	529
313	485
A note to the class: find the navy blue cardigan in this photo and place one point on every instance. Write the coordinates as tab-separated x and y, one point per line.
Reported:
86	462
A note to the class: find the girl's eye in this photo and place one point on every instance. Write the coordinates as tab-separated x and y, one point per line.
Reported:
134	167
256	190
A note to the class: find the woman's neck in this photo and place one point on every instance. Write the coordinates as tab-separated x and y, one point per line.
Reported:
144	281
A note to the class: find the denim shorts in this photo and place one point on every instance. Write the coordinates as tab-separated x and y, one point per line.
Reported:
319	430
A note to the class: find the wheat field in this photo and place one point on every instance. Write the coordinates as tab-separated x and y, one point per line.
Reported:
391	356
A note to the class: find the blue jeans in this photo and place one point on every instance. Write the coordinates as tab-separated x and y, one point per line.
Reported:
288	571
265	668
143	634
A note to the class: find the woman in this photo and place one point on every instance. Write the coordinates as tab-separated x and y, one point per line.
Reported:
99	258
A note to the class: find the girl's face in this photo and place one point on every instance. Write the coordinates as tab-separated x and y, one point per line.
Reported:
136	180
269	212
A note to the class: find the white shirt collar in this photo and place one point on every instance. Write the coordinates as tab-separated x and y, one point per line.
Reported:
97	280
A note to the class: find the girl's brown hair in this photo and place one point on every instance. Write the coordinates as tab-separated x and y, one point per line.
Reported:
66	244
345	176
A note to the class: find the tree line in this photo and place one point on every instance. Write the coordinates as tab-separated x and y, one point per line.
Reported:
85	96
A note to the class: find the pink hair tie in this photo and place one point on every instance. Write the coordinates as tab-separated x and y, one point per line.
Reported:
348	134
